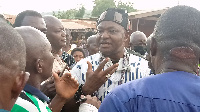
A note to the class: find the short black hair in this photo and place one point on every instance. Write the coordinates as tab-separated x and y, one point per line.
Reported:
20	17
78	49
12	48
178	26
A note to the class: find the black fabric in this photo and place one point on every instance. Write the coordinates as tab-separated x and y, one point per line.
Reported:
110	16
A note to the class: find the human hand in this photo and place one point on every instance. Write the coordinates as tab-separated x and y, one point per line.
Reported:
92	100
94	80
66	86
48	88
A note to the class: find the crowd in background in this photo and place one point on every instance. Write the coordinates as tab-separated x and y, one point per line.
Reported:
42	71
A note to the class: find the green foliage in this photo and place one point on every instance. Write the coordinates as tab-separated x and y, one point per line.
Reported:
101	6
80	13
70	14
127	6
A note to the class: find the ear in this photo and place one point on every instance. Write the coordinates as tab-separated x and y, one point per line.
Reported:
39	65
87	46
153	47
19	83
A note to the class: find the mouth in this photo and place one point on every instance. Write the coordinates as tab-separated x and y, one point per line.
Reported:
105	44
64	40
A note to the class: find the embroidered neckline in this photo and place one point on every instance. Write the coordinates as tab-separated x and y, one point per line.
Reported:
124	65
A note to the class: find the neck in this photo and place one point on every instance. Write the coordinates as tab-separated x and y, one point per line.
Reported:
116	57
6	101
171	66
55	50
66	48
35	80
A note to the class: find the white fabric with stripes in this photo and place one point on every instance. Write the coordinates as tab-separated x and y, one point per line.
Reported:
138	68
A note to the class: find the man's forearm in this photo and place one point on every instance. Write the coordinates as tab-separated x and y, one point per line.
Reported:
71	106
57	103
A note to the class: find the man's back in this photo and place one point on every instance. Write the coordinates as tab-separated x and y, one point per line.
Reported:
168	92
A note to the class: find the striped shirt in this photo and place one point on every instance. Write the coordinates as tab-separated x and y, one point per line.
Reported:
30	102
130	67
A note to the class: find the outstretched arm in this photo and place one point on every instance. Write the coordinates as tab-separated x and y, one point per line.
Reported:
66	87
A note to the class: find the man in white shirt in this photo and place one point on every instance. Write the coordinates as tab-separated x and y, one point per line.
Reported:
113	65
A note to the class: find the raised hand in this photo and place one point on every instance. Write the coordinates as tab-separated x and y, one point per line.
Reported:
66	86
94	80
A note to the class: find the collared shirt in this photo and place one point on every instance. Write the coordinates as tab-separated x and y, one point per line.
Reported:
168	92
2	110
130	67
31	100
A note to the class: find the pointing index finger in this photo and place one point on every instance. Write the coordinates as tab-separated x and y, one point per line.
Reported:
101	65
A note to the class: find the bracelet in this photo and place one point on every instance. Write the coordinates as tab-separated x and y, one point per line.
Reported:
78	93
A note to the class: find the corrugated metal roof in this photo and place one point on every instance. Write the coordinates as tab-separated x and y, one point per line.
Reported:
78	24
146	13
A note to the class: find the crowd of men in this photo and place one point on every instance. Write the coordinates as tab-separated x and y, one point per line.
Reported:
41	72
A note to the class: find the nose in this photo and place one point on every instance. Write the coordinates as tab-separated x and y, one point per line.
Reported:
104	35
78	59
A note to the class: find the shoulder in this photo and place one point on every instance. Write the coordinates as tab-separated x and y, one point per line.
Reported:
24	103
132	89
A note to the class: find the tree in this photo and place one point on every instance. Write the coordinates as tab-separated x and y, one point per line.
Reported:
101	6
70	14
80	13
127	6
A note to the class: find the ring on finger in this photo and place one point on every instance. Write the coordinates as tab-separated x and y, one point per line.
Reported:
108	76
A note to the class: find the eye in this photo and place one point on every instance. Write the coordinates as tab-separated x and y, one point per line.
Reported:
113	31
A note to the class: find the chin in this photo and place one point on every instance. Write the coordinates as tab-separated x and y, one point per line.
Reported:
107	53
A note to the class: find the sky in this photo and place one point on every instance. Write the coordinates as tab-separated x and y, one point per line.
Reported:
17	6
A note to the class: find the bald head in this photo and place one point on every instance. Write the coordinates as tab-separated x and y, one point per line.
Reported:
51	20
12	48
92	45
12	65
91	39
138	42
56	33
35	41
138	38
178	26
175	42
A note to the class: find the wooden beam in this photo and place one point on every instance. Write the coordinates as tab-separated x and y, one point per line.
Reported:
150	18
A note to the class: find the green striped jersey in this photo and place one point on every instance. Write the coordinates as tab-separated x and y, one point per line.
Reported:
27	102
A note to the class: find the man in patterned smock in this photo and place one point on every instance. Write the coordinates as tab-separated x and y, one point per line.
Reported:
112	66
